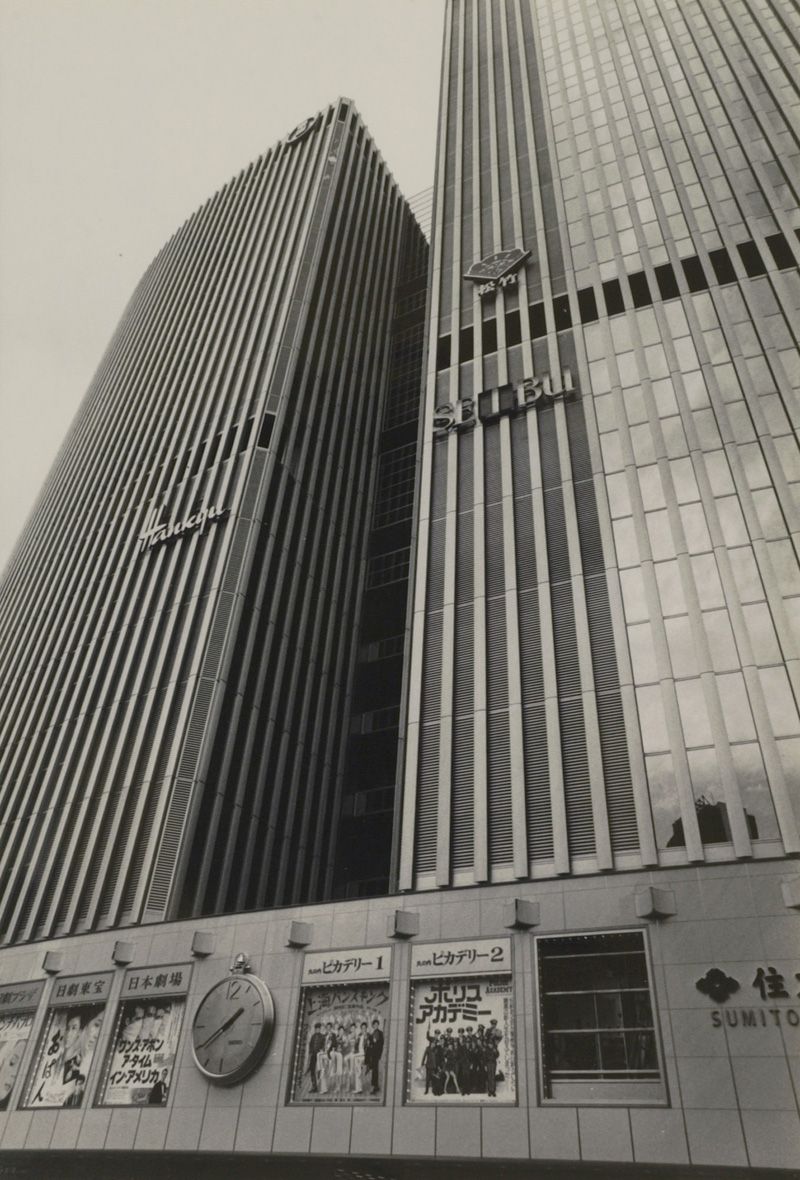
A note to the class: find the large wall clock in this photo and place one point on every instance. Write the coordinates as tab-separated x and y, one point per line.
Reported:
232	1028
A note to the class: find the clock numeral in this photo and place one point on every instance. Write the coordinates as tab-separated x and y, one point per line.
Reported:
234	987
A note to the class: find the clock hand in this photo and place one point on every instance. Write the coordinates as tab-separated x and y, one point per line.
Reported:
223	1028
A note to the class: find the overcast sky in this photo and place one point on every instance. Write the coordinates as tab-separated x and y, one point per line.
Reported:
117	119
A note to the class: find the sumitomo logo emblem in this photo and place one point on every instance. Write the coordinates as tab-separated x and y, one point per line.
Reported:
166	532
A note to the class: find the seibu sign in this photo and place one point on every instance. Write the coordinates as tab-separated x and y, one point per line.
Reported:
493	404
167	532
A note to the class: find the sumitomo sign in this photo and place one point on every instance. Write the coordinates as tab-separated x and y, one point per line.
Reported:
195	523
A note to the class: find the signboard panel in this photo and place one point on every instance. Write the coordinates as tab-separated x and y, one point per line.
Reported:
347	966
461	1032
478	955
462	1045
68	1041
144	1045
340	1044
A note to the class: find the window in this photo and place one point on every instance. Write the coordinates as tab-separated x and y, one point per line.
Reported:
640	289
465	346
538	321
598	1036
723	267
695	276
781	251
587	305
612	293
753	262
667	283
561	313
395	496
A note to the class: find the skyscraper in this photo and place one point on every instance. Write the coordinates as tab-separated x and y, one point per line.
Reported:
179	615
590	956
604	666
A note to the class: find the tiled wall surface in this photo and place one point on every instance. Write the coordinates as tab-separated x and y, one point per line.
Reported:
732	1087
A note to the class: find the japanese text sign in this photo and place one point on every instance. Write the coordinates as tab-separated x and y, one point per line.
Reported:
157	981
469	957
81	989
366	963
20	997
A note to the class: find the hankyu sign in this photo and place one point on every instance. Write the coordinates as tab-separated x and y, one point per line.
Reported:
158	533
491	404
347	966
497	270
479	956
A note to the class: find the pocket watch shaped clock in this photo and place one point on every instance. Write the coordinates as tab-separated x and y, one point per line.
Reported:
232	1028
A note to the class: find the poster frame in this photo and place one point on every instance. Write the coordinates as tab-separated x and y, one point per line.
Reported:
124	998
29	1008
56	1003
383	979
419	976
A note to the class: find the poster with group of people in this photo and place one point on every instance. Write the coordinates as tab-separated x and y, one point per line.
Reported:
461	1039
143	1052
340	1048
343	1034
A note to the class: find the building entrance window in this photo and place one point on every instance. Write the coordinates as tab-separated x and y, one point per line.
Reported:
598	1035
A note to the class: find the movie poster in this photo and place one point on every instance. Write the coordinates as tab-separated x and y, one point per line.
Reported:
340	1046
143	1052
462	1045
15	1029
67	1048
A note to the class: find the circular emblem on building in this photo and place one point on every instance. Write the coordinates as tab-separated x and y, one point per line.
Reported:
232	1028
302	129
496	266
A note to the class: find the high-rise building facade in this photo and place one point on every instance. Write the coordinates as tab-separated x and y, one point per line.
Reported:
607	599
179	615
591	954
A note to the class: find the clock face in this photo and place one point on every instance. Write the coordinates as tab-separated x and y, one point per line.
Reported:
232	1028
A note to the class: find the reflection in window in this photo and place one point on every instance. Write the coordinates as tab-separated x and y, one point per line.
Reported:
596	1011
712	820
756	797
